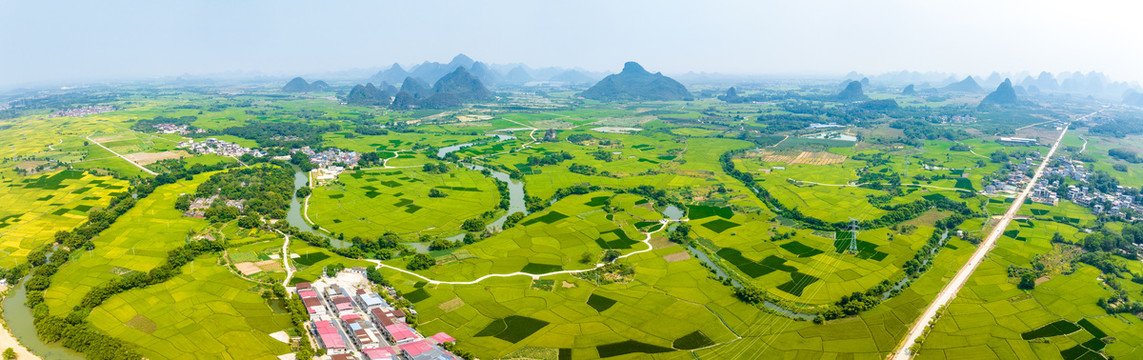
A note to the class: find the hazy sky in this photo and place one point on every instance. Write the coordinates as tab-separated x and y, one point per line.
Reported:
63	41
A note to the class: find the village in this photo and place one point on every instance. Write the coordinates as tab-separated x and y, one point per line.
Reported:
352	322
83	111
219	147
1047	189
166	128
329	163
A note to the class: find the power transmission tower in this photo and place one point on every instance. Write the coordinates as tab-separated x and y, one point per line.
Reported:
853	236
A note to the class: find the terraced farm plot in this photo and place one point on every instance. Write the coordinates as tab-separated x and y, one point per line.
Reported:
372	202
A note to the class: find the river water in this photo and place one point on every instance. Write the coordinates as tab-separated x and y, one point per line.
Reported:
19	320
294	215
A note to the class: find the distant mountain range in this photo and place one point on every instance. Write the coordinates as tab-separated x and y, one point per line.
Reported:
452	89
504	75
636	83
300	85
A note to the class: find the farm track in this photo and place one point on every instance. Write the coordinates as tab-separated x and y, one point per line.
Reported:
123	157
948	293
646	241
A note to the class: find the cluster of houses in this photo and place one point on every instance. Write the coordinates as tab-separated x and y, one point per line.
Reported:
84	111
955	119
1100	202
198	206
1044	192
166	128
351	322
215	146
330	157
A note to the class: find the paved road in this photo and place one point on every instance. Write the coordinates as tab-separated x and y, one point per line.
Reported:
123	157
646	240
949	291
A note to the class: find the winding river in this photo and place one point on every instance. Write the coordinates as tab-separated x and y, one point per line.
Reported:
19	320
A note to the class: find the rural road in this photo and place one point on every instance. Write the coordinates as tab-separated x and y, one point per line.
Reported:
123	157
646	240
286	260
948	293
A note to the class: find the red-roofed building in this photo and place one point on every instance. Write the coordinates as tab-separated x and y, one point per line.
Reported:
415	348
303	286
400	333
330	336
313	305
349	317
380	354
443	338
382	317
307	294
343	357
342	303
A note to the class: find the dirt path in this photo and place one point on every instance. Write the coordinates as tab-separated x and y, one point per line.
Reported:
123	157
286	260
646	241
948	293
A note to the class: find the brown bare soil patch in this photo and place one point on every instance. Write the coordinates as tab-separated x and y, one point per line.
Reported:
804	157
151	158
660	242
247	268
451	305
269	265
679	256
141	323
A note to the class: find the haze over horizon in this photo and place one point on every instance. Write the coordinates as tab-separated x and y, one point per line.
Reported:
76	42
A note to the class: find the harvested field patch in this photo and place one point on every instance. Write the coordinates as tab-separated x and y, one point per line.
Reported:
451	305
151	158
141	323
247	268
804	157
679	256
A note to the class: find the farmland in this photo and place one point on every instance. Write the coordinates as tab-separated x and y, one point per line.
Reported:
670	230
370	201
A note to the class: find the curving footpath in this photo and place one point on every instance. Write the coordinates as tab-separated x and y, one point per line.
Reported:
948	293
646	240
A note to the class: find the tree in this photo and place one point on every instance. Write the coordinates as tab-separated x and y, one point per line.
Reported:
611	255
9	354
999	156
586	258
473	225
421	262
436	193
1027	281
